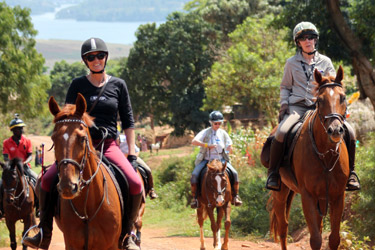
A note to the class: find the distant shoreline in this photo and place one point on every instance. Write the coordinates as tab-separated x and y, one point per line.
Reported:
56	50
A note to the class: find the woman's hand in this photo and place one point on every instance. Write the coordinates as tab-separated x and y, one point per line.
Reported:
284	109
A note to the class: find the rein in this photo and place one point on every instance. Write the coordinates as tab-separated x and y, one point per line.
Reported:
86	183
334	152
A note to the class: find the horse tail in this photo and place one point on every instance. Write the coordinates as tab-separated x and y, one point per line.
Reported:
272	211
273	220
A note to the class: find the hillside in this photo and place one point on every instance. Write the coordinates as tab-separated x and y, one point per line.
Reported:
70	51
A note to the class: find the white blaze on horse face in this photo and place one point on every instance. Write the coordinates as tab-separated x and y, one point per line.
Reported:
66	136
331	92
219	198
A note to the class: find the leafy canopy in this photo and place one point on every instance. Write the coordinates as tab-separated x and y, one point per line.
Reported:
251	70
22	83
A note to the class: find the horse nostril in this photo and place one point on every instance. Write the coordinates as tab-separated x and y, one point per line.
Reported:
74	188
341	130
330	131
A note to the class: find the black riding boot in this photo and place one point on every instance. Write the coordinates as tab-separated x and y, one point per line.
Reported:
151	193
276	156
194	201
353	183
43	238
1	199
126	240
236	200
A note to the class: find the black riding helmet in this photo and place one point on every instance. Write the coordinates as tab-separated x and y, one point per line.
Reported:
93	45
16	122
216	116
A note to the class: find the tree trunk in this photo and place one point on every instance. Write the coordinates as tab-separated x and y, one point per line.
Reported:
362	66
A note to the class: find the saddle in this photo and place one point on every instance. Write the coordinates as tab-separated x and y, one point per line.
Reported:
144	175
203	172
289	142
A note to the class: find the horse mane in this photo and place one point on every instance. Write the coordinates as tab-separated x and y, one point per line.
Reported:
17	162
215	166
69	111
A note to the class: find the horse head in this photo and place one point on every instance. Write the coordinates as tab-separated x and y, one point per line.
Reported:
331	104
72	143
217	181
12	174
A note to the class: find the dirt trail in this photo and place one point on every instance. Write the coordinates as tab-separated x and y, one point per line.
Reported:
156	238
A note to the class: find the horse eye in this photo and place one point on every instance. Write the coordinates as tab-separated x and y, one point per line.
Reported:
342	98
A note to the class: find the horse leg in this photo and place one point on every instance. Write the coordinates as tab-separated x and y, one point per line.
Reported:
219	218
313	219
201	217
336	210
227	227
12	233
139	223
211	215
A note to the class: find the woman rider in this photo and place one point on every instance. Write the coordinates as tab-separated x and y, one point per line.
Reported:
212	142
297	97
113	99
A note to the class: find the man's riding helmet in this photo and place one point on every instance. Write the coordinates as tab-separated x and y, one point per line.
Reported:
94	45
216	116
304	28
16	122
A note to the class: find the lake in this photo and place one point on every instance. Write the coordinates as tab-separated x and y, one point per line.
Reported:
67	29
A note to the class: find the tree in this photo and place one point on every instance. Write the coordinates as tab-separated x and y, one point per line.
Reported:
61	76
346	33
166	68
250	73
22	83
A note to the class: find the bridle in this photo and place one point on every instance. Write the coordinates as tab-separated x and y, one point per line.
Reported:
12	192
336	151
337	116
215	191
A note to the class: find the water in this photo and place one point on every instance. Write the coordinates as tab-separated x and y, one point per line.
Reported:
68	29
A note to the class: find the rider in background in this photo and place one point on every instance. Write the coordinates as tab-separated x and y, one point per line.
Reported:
106	97
297	96
123	144
214	142
17	146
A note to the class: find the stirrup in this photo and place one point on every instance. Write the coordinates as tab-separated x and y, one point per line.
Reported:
153	194
353	177
27	232
194	203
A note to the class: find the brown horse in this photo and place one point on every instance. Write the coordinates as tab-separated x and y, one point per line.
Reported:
18	199
90	209
319	167
215	193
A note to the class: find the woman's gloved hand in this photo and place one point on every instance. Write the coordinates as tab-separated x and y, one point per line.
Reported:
133	161
284	109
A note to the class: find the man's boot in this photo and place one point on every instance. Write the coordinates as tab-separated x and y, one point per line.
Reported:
151	193
43	238
194	201
236	200
353	183
276	155
1	199
126	240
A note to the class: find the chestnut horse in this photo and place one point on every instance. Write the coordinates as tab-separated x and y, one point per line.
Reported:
90	209
319	167
18	199
215	193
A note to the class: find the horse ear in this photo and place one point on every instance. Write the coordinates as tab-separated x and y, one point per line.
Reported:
53	106
317	76
80	105
339	75
225	166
